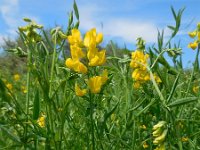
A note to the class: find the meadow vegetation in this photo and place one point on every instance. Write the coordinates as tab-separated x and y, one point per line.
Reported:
63	90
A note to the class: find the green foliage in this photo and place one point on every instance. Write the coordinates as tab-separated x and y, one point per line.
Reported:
42	111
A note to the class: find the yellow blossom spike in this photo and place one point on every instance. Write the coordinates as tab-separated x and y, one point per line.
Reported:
193	45
95	84
79	92
192	34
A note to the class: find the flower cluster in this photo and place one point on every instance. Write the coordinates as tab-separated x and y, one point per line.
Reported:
159	134
139	63
195	35
85	54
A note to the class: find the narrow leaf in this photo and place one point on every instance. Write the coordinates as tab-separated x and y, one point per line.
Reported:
76	10
182	101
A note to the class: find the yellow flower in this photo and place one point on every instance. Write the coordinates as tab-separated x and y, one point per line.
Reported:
160	147
157	79
160	124
96	58
143	127
75	38
76	65
139	60
192	34
145	145
91	38
136	85
76	52
184	139
95	84
24	90
140	75
79	92
193	45
16	77
195	89
9	86
160	139
41	121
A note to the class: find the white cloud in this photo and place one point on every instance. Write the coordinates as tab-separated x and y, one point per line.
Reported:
128	29
9	10
12	17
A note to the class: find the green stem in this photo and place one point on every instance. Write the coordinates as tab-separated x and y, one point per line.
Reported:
92	124
27	94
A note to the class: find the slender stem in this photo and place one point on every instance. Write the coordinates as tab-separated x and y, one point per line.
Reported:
92	124
27	94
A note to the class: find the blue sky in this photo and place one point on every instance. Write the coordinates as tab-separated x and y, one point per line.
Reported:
120	21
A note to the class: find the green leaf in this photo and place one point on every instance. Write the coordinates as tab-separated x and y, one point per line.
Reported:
173	88
76	10
107	115
36	105
182	101
10	135
171	27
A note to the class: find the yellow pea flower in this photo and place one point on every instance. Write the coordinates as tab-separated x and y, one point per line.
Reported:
9	86
95	84
75	37
41	121
91	38
161	138
76	52
99	38
145	145
160	147
192	34
193	45
79	92
16	77
140	75
96	58
136	85
157	78
76	65
139	59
